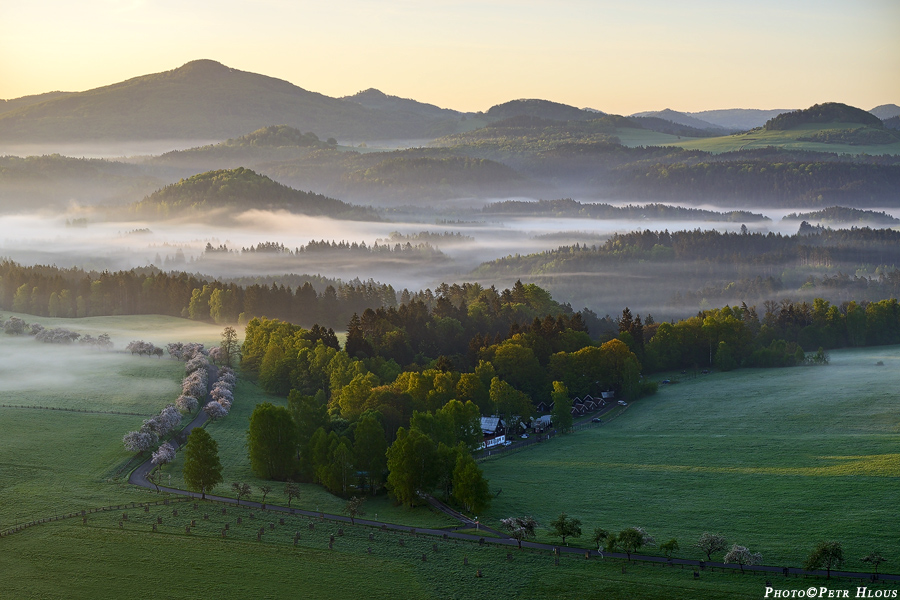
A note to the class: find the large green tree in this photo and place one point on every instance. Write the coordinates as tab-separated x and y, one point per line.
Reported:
562	407
202	469
370	447
470	488
411	469
272	442
826	555
565	526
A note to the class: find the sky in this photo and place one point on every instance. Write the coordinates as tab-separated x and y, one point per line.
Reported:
616	56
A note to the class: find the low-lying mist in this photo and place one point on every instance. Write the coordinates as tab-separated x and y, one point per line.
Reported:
456	244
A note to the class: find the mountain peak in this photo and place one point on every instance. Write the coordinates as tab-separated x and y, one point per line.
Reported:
370	93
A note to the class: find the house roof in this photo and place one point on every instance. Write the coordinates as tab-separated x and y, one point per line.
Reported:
490	424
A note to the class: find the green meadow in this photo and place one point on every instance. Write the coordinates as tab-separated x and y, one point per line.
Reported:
775	460
787	139
61	448
99	559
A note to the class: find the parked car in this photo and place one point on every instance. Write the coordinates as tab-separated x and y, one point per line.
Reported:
507	443
596	420
623	403
524	436
666	381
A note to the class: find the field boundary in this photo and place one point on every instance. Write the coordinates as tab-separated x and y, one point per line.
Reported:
77	410
87	511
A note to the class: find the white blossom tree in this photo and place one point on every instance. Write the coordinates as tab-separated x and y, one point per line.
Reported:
186	404
163	455
711	542
137	441
742	556
215	411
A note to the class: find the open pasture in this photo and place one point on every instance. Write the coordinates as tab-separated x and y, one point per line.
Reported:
776	460
787	139
99	558
63	451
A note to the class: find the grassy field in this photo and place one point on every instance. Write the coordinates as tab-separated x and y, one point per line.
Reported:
94	560
56	461
783	139
774	459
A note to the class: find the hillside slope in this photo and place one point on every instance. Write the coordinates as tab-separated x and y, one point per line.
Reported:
201	100
240	189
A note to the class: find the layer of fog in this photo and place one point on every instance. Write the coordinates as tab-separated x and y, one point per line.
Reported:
101	149
29	369
171	246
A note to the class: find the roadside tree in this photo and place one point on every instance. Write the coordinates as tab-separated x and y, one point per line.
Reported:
564	526
520	528
202	469
241	490
711	542
742	556
826	555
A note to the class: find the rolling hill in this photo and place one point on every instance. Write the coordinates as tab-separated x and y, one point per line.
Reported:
679	118
201	100
829	127
542	109
230	190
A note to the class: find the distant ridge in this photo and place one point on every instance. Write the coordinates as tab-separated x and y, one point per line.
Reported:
378	100
542	109
679	118
886	111
202	99
738	119
828	112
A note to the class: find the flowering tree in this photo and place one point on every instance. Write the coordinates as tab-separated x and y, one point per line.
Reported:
140	347
187	404
742	556
14	326
215	355
520	528
58	335
711	542
215	411
138	441
170	418
196	363
163	455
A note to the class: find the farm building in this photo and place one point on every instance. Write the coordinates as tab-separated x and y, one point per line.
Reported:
490	425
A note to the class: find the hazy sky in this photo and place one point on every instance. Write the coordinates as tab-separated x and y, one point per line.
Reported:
616	56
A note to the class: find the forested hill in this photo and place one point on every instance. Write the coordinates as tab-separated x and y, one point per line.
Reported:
825	247
566	207
828	112
544	109
241	189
